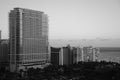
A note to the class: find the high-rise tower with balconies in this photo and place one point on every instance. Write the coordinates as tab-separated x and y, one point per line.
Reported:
28	38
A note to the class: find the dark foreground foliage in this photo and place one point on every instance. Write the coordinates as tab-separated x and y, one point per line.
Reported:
81	71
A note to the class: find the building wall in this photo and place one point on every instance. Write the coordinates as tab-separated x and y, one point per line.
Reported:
70	55
67	58
61	57
4	53
74	55
79	54
95	54
88	53
28	37
55	55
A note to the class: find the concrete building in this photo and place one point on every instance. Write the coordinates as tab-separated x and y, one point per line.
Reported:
66	57
74	55
4	53
95	54
79	54
55	55
71	55
89	54
28	38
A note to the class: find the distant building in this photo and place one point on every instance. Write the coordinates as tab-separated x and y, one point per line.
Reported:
55	55
74	55
89	54
66	57
79	54
95	54
4	53
71	55
28	38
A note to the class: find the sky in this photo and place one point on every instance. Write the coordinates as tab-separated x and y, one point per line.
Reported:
70	19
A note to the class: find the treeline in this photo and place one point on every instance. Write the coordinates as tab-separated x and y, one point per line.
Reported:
81	71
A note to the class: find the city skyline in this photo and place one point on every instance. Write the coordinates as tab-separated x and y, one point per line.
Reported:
70	19
64	39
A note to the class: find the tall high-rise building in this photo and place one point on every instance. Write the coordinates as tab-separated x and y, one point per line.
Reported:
28	38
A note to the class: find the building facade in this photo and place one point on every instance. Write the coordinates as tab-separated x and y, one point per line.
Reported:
90	54
4	53
77	53
74	55
55	52
65	56
28	38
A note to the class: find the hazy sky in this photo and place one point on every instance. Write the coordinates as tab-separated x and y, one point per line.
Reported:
71	19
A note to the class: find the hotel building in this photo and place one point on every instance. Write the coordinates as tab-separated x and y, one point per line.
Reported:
28	38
